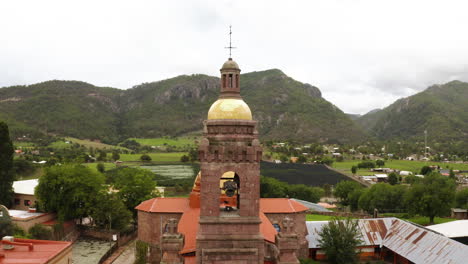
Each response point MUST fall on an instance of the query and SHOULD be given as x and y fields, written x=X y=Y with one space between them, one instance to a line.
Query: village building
x=30 y=251
x=224 y=220
x=24 y=198
x=395 y=241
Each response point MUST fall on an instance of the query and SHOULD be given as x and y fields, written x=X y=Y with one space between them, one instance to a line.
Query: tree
x=184 y=158
x=384 y=197
x=426 y=170
x=69 y=190
x=115 y=156
x=452 y=174
x=393 y=178
x=301 y=159
x=432 y=196
x=461 y=199
x=344 y=188
x=380 y=163
x=6 y=225
x=39 y=231
x=102 y=156
x=111 y=212
x=354 y=169
x=366 y=165
x=339 y=240
x=6 y=166
x=100 y=167
x=145 y=158
x=135 y=186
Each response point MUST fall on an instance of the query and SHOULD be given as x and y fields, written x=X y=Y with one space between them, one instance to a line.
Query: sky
x=362 y=55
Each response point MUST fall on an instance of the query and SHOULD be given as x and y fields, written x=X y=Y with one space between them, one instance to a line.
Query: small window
x=17 y=201
x=277 y=227
x=27 y=202
x=230 y=81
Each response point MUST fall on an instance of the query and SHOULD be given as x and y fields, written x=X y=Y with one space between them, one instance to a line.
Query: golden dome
x=230 y=109
x=229 y=65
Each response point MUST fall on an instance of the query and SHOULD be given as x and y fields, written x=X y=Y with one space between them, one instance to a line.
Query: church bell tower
x=230 y=154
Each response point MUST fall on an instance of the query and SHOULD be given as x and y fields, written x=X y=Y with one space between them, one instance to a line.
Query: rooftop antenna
x=230 y=42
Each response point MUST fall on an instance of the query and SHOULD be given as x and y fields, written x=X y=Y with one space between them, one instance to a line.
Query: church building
x=224 y=220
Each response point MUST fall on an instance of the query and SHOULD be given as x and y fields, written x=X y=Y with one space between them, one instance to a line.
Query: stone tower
x=230 y=154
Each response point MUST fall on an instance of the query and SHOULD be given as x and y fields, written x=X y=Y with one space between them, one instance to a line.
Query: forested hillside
x=442 y=110
x=285 y=109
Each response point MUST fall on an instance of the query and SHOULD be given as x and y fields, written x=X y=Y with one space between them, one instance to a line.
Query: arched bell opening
x=229 y=185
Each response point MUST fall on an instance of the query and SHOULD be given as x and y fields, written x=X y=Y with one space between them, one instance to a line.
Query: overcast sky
x=361 y=54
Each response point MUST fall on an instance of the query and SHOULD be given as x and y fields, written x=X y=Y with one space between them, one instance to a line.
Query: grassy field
x=176 y=142
x=317 y=217
x=93 y=166
x=421 y=220
x=59 y=144
x=155 y=157
x=407 y=165
x=23 y=144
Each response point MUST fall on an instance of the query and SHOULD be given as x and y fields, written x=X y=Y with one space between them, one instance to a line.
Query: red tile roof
x=42 y=251
x=164 y=205
x=267 y=229
x=280 y=205
x=188 y=225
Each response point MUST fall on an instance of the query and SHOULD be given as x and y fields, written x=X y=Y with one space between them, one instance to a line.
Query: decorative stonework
x=171 y=244
x=287 y=242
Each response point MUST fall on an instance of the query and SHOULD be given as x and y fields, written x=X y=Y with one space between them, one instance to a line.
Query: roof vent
x=9 y=239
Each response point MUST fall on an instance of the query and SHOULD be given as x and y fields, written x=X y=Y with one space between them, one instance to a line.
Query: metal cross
x=230 y=43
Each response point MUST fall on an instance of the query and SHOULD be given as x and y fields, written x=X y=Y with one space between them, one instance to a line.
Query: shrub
x=145 y=158
x=38 y=231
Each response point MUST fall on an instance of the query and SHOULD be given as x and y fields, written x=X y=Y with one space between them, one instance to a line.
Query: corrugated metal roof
x=421 y=245
x=457 y=228
x=312 y=206
x=25 y=187
x=413 y=242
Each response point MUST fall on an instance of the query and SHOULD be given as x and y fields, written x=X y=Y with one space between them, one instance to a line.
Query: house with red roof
x=30 y=251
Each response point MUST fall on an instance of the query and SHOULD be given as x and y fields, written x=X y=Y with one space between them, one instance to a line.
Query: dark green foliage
x=22 y=166
x=6 y=225
x=145 y=158
x=354 y=169
x=425 y=170
x=411 y=179
x=392 y=178
x=339 y=240
x=6 y=166
x=115 y=156
x=184 y=158
x=326 y=160
x=130 y=144
x=272 y=188
x=141 y=252
x=102 y=156
x=366 y=165
x=193 y=154
x=380 y=163
x=384 y=197
x=308 y=174
x=301 y=159
x=111 y=212
x=432 y=196
x=39 y=231
x=69 y=190
x=343 y=190
x=172 y=107
x=100 y=167
x=135 y=186
x=461 y=199
x=452 y=174
x=440 y=109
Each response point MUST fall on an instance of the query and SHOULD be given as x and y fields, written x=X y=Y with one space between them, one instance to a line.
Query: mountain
x=442 y=110
x=285 y=108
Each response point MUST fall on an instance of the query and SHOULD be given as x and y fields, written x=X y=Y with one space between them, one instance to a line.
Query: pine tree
x=6 y=166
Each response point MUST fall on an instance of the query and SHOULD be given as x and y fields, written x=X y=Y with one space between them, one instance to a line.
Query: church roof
x=164 y=205
x=281 y=205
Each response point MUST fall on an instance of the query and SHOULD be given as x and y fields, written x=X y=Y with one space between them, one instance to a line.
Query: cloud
x=361 y=54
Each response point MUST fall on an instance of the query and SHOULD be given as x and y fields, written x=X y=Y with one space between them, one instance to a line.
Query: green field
x=407 y=165
x=60 y=144
x=23 y=144
x=107 y=165
x=176 y=142
x=155 y=157
x=317 y=217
